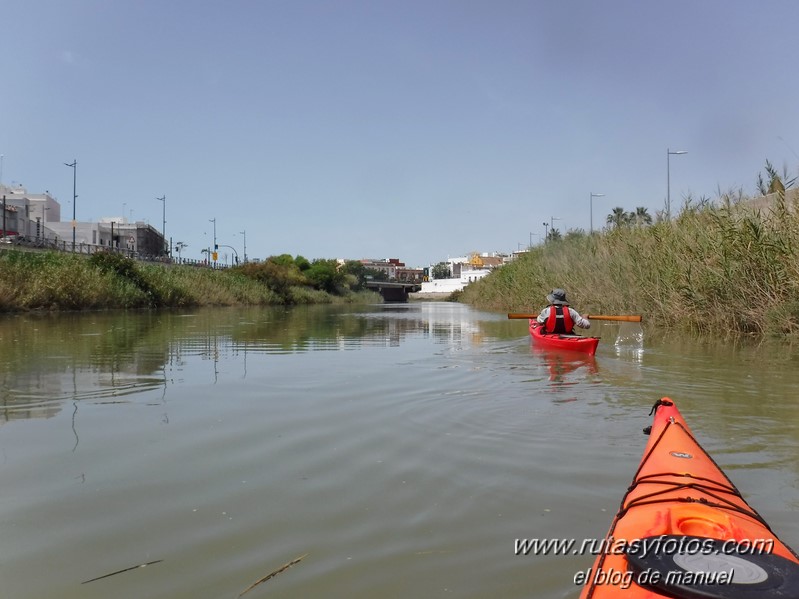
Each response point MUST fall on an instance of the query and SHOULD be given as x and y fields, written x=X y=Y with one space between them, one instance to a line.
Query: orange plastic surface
x=674 y=468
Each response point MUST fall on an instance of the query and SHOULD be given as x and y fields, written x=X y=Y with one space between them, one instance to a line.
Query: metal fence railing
x=87 y=249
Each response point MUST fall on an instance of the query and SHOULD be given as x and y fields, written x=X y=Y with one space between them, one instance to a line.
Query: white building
x=465 y=270
x=37 y=217
x=28 y=214
x=454 y=284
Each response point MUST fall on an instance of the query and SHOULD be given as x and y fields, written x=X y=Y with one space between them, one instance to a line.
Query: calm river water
x=402 y=449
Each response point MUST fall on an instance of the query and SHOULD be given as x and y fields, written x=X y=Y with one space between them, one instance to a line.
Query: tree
x=641 y=216
x=441 y=271
x=326 y=275
x=278 y=277
x=361 y=274
x=375 y=274
x=554 y=235
x=282 y=260
x=179 y=247
x=618 y=218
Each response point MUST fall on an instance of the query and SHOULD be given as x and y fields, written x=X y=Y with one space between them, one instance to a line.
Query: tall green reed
x=728 y=268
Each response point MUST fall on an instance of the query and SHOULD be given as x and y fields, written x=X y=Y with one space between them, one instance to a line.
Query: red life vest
x=559 y=321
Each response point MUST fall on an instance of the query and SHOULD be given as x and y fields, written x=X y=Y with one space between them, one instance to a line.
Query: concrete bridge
x=394 y=292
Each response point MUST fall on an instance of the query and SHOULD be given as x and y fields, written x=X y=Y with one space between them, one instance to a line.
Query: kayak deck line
x=710 y=488
x=687 y=531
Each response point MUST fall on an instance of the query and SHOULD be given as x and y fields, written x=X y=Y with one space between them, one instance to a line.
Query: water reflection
x=566 y=367
x=405 y=447
x=48 y=359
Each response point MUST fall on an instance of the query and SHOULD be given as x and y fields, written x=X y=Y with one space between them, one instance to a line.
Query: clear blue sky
x=409 y=129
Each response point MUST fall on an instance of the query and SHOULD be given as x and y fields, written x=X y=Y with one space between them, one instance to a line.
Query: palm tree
x=179 y=246
x=618 y=217
x=642 y=216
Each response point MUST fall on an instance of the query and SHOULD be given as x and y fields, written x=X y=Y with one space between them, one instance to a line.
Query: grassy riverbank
x=60 y=281
x=724 y=269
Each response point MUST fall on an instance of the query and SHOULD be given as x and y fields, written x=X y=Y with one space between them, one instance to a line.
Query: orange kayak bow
x=684 y=531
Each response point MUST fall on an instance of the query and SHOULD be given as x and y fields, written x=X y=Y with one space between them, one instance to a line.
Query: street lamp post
x=216 y=247
x=244 y=232
x=669 y=153
x=591 y=207
x=546 y=231
x=74 y=167
x=163 y=222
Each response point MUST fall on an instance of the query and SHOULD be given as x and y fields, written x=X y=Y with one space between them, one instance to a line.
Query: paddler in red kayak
x=558 y=317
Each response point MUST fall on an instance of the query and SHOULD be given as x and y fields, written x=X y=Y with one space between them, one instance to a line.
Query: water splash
x=630 y=342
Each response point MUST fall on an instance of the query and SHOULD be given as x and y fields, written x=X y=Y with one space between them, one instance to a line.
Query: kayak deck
x=683 y=530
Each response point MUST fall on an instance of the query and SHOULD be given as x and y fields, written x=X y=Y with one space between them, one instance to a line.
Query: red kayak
x=587 y=345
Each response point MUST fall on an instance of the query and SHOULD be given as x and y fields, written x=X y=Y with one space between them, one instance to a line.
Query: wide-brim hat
x=558 y=297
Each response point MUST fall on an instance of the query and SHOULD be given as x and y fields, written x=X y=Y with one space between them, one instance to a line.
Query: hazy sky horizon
x=386 y=129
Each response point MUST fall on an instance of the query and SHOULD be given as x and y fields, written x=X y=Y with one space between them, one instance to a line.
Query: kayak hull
x=683 y=530
x=586 y=345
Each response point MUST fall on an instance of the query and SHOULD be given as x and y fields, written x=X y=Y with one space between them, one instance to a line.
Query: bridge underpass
x=394 y=292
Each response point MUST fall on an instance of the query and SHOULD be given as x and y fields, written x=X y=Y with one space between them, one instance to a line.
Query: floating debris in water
x=282 y=568
x=122 y=571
